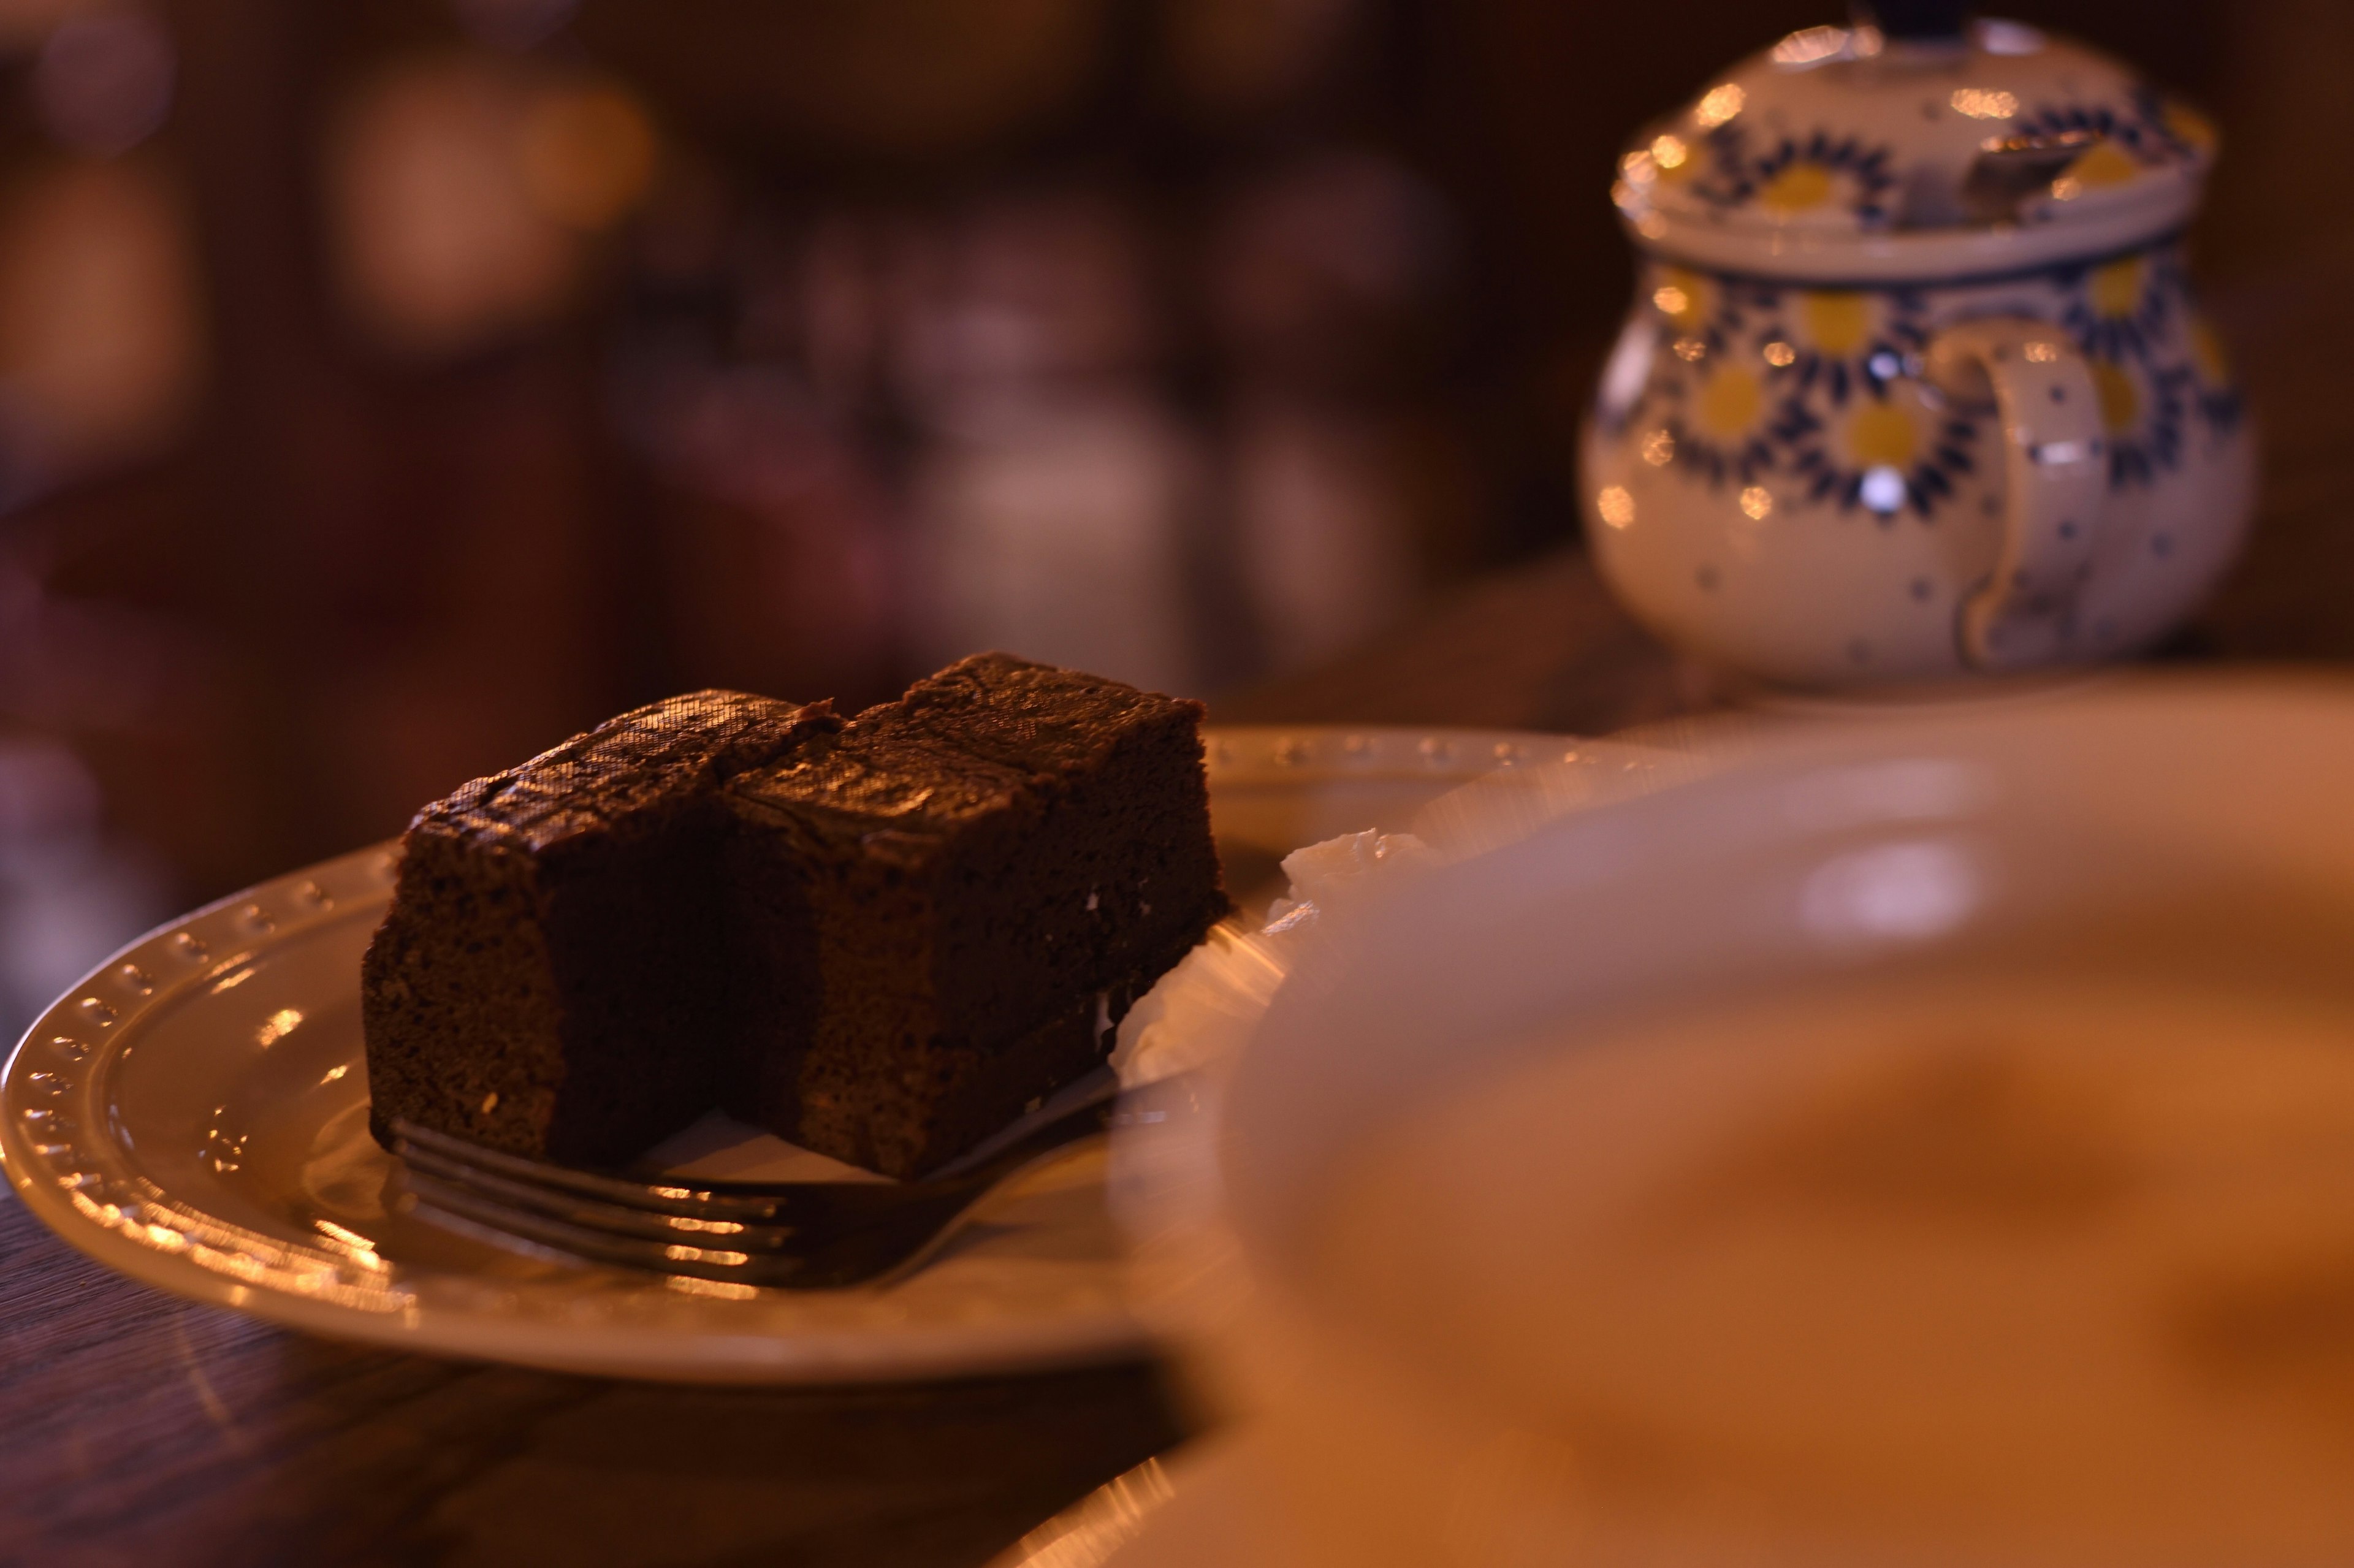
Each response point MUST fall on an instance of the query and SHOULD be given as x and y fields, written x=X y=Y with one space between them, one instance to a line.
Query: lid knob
x=1921 y=19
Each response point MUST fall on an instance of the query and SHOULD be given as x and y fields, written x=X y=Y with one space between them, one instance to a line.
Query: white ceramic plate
x=195 y=1115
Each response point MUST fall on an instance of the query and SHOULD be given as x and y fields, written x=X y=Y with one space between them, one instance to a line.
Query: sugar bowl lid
x=1916 y=143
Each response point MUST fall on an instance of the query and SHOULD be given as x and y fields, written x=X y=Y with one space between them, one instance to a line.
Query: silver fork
x=797 y=1236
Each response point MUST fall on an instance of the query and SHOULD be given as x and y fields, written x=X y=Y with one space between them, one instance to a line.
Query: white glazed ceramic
x=1855 y=850
x=194 y=1114
x=1914 y=385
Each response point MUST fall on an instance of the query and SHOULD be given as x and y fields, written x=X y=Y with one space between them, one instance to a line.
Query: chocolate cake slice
x=543 y=982
x=951 y=903
x=882 y=940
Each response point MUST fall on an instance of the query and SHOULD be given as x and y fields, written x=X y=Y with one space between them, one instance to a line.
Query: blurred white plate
x=194 y=1114
x=2179 y=839
x=1208 y=1502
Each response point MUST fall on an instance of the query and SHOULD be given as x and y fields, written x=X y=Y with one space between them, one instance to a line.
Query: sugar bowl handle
x=2055 y=470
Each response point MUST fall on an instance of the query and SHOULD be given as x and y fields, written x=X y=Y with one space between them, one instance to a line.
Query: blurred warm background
x=391 y=387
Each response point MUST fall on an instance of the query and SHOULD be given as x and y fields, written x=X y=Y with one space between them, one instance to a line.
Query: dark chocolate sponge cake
x=880 y=939
x=952 y=902
x=541 y=981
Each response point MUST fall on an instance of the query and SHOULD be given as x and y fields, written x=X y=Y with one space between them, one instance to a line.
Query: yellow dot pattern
x=2117 y=288
x=2120 y=398
x=1837 y=324
x=1801 y=187
x=1882 y=434
x=2104 y=164
x=1730 y=402
x=2193 y=128
x=2208 y=352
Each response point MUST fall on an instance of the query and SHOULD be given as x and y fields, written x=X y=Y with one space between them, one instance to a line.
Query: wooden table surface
x=136 y=1428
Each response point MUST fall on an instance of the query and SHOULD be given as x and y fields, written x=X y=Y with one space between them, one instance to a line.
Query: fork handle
x=1086 y=1120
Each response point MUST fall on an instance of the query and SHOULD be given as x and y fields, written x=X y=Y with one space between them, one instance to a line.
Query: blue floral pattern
x=2122 y=309
x=1818 y=394
x=1738 y=174
x=1940 y=458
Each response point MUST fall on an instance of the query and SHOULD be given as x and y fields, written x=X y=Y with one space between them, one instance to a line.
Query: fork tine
x=595 y=1246
x=858 y=1253
x=624 y=1219
x=750 y=1201
x=793 y=1234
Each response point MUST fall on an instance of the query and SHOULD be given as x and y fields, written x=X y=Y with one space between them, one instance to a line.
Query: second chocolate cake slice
x=946 y=907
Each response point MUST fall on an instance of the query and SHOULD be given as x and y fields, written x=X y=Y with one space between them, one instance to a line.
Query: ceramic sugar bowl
x=1914 y=386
